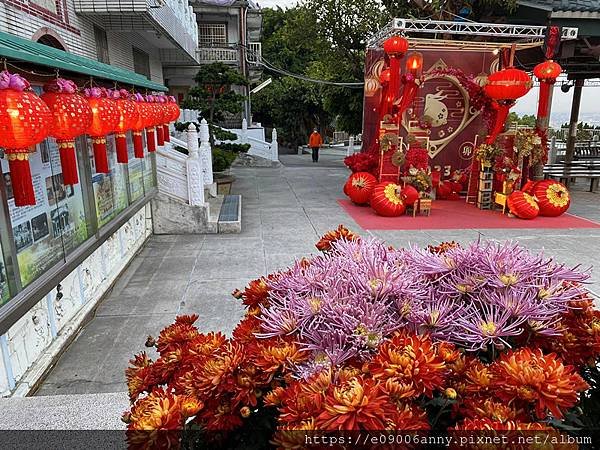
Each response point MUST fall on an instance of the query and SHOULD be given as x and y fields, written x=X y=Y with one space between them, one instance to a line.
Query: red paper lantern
x=163 y=118
x=386 y=200
x=128 y=115
x=151 y=119
x=523 y=205
x=346 y=184
x=505 y=86
x=360 y=187
x=140 y=124
x=553 y=198
x=395 y=46
x=409 y=195
x=546 y=72
x=414 y=64
x=385 y=76
x=508 y=84
x=173 y=113
x=105 y=118
x=71 y=117
x=24 y=122
x=443 y=191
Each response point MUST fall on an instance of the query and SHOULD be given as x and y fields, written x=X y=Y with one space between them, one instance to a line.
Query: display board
x=46 y=232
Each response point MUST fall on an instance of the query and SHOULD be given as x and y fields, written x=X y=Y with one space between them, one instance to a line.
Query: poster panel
x=55 y=225
x=110 y=190
x=136 y=172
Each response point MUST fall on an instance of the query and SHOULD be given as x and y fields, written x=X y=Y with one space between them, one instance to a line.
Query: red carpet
x=457 y=215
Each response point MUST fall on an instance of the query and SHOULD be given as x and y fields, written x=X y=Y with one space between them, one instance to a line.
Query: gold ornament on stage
x=398 y=158
x=387 y=141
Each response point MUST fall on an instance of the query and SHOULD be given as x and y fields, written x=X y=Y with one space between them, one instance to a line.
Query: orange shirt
x=315 y=140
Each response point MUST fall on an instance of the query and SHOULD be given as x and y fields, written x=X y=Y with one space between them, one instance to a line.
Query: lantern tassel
x=100 y=157
x=544 y=100
x=501 y=116
x=160 y=135
x=20 y=178
x=166 y=133
x=151 y=139
x=122 y=155
x=138 y=145
x=68 y=162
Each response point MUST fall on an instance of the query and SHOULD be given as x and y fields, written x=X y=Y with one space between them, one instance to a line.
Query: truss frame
x=521 y=33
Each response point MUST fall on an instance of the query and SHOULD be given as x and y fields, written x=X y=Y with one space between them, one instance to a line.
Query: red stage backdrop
x=455 y=124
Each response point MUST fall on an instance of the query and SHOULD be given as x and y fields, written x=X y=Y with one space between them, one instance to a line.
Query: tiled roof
x=568 y=5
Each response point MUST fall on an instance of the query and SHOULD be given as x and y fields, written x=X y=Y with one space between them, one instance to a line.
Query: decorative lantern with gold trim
x=71 y=117
x=105 y=118
x=24 y=122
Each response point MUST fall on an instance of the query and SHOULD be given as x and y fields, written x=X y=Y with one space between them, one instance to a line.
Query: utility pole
x=243 y=53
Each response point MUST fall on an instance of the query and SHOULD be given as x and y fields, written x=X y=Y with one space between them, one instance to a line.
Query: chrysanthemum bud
x=237 y=294
x=245 y=412
x=126 y=417
x=450 y=393
x=150 y=342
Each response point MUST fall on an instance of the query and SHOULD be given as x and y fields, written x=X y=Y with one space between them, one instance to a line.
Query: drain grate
x=230 y=209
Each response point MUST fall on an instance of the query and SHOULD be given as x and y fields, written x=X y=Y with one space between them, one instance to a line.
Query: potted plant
x=487 y=154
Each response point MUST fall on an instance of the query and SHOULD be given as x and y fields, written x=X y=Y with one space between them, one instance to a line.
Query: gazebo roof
x=564 y=5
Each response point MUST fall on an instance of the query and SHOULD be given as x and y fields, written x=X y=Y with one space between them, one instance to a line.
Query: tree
x=528 y=120
x=213 y=95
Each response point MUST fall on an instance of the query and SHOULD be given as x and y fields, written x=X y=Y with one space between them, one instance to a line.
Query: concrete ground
x=285 y=211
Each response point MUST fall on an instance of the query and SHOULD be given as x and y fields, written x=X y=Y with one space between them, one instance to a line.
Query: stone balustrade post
x=274 y=146
x=244 y=136
x=195 y=177
x=206 y=153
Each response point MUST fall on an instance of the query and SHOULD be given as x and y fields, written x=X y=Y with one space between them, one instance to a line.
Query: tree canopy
x=326 y=40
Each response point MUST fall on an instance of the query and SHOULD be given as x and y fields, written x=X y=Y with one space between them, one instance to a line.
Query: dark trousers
x=315 y=154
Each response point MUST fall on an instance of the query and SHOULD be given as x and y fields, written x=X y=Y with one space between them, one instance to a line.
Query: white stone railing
x=217 y=54
x=258 y=147
x=184 y=177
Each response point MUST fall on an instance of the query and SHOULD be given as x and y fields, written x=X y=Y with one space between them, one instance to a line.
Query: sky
x=275 y=3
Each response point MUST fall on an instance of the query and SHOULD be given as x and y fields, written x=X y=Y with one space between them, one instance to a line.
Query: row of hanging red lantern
x=26 y=119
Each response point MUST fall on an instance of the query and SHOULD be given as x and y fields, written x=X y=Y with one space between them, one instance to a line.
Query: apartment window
x=50 y=5
x=212 y=34
x=101 y=44
x=141 y=62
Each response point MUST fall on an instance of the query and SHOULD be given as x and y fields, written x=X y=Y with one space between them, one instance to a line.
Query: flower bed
x=367 y=337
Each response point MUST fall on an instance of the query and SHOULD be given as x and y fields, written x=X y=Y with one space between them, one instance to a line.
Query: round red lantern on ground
x=553 y=198
x=71 y=117
x=360 y=187
x=523 y=205
x=386 y=200
x=105 y=118
x=529 y=187
x=409 y=195
x=24 y=122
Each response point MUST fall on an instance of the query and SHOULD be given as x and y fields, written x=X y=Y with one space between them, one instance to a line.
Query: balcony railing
x=171 y=18
x=217 y=54
x=254 y=52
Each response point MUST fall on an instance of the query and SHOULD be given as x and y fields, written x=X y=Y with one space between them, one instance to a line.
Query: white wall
x=34 y=341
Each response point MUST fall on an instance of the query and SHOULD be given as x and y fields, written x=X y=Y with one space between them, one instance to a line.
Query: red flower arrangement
x=266 y=386
x=361 y=162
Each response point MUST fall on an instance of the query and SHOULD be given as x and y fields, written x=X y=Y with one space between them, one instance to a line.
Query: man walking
x=314 y=142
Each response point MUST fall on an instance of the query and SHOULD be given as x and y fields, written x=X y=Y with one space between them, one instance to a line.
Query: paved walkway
x=285 y=211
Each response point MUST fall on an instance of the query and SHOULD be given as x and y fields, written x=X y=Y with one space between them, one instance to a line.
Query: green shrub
x=183 y=126
x=222 y=159
x=235 y=148
x=221 y=134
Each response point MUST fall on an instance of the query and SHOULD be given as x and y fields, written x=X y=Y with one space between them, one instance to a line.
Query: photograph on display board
x=23 y=236
x=39 y=226
x=4 y=293
x=8 y=183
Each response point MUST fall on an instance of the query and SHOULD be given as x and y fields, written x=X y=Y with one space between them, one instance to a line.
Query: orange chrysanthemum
x=256 y=293
x=478 y=377
x=178 y=334
x=284 y=355
x=529 y=375
x=408 y=417
x=293 y=437
x=411 y=360
x=479 y=408
x=217 y=373
x=355 y=405
x=158 y=411
x=325 y=244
